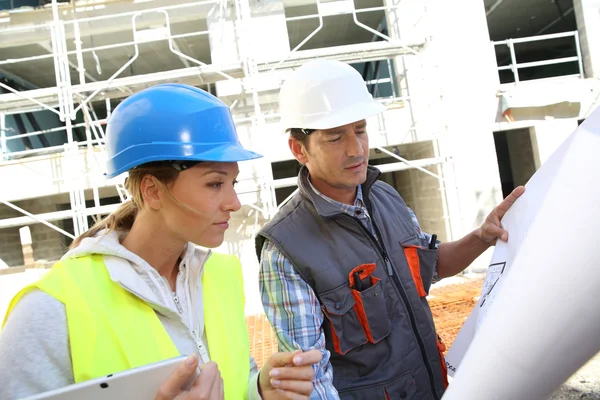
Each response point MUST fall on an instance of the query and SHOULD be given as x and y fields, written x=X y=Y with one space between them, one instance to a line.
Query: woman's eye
x=335 y=140
x=219 y=185
x=235 y=182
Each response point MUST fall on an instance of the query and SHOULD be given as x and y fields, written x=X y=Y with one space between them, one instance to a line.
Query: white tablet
x=139 y=383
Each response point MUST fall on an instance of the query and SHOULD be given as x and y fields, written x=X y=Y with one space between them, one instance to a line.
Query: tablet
x=140 y=383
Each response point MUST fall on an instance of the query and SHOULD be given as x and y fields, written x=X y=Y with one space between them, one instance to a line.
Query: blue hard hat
x=171 y=122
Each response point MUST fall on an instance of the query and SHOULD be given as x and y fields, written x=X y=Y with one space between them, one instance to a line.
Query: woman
x=135 y=289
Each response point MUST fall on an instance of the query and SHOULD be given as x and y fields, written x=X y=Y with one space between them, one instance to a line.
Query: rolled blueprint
x=543 y=322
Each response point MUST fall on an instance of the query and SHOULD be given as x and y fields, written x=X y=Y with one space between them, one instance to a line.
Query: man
x=345 y=268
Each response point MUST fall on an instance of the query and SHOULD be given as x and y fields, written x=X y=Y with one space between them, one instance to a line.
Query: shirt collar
x=358 y=201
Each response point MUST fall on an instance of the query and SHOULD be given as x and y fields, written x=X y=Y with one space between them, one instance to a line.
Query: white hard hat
x=324 y=94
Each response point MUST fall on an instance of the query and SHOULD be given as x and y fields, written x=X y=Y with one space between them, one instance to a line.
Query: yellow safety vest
x=111 y=329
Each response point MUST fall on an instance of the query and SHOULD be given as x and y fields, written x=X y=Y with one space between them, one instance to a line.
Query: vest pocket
x=346 y=332
x=371 y=310
x=401 y=387
x=422 y=263
x=356 y=318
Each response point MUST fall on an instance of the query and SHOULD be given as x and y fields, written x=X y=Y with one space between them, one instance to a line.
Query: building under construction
x=478 y=95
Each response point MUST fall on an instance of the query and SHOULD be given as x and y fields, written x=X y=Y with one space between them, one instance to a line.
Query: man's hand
x=288 y=375
x=491 y=229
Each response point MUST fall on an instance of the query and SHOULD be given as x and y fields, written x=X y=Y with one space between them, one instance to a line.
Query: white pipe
x=409 y=163
x=19 y=209
x=54 y=216
x=57 y=129
x=381 y=35
x=147 y=10
x=389 y=167
x=544 y=322
x=48 y=150
x=3 y=148
x=174 y=50
x=493 y=7
x=547 y=62
x=579 y=56
x=110 y=16
x=80 y=65
x=68 y=87
x=303 y=42
x=173 y=7
x=360 y=11
x=513 y=60
x=74 y=213
x=131 y=60
x=557 y=20
x=98 y=48
x=536 y=38
x=69 y=130
x=26 y=97
x=81 y=211
x=288 y=198
x=55 y=38
x=96 y=194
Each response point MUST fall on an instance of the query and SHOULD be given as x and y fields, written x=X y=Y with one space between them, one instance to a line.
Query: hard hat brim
x=226 y=152
x=328 y=120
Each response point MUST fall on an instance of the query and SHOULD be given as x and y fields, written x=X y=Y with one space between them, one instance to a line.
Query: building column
x=587 y=14
x=453 y=91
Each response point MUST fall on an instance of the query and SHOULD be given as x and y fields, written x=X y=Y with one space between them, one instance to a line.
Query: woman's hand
x=288 y=375
x=207 y=386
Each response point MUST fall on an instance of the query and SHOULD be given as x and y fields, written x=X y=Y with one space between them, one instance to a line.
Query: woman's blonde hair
x=122 y=218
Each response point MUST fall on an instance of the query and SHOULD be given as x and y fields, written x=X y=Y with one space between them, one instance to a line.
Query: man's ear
x=298 y=150
x=151 y=192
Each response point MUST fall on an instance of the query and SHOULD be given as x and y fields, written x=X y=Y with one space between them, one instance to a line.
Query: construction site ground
x=451 y=303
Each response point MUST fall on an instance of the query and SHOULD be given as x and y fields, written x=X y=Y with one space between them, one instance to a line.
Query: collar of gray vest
x=325 y=208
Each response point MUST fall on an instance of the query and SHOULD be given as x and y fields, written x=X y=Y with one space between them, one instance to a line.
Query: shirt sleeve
x=35 y=356
x=295 y=315
x=253 y=384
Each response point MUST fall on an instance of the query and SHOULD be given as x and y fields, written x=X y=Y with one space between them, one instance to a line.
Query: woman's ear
x=150 y=190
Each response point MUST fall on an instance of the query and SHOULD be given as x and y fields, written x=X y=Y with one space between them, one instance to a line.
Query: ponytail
x=121 y=219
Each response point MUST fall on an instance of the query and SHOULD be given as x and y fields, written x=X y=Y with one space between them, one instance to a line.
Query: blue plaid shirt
x=292 y=306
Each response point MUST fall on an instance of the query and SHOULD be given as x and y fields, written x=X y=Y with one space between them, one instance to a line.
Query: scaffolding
x=70 y=100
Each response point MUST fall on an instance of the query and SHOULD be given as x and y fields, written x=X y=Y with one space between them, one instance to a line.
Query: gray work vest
x=380 y=332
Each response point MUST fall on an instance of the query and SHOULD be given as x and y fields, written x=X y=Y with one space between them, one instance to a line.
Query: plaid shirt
x=292 y=306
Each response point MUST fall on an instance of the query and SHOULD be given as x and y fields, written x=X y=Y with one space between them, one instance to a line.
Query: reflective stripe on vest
x=111 y=329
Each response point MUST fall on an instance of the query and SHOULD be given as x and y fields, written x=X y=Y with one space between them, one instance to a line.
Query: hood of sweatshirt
x=138 y=277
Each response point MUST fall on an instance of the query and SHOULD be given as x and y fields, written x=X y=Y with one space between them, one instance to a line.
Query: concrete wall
x=468 y=90
x=48 y=244
x=421 y=192
x=587 y=14
x=454 y=101
x=523 y=160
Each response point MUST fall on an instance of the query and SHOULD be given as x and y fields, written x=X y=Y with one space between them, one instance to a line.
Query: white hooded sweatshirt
x=34 y=344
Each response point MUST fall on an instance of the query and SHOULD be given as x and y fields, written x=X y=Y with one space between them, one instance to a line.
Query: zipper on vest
x=389 y=266
x=394 y=277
